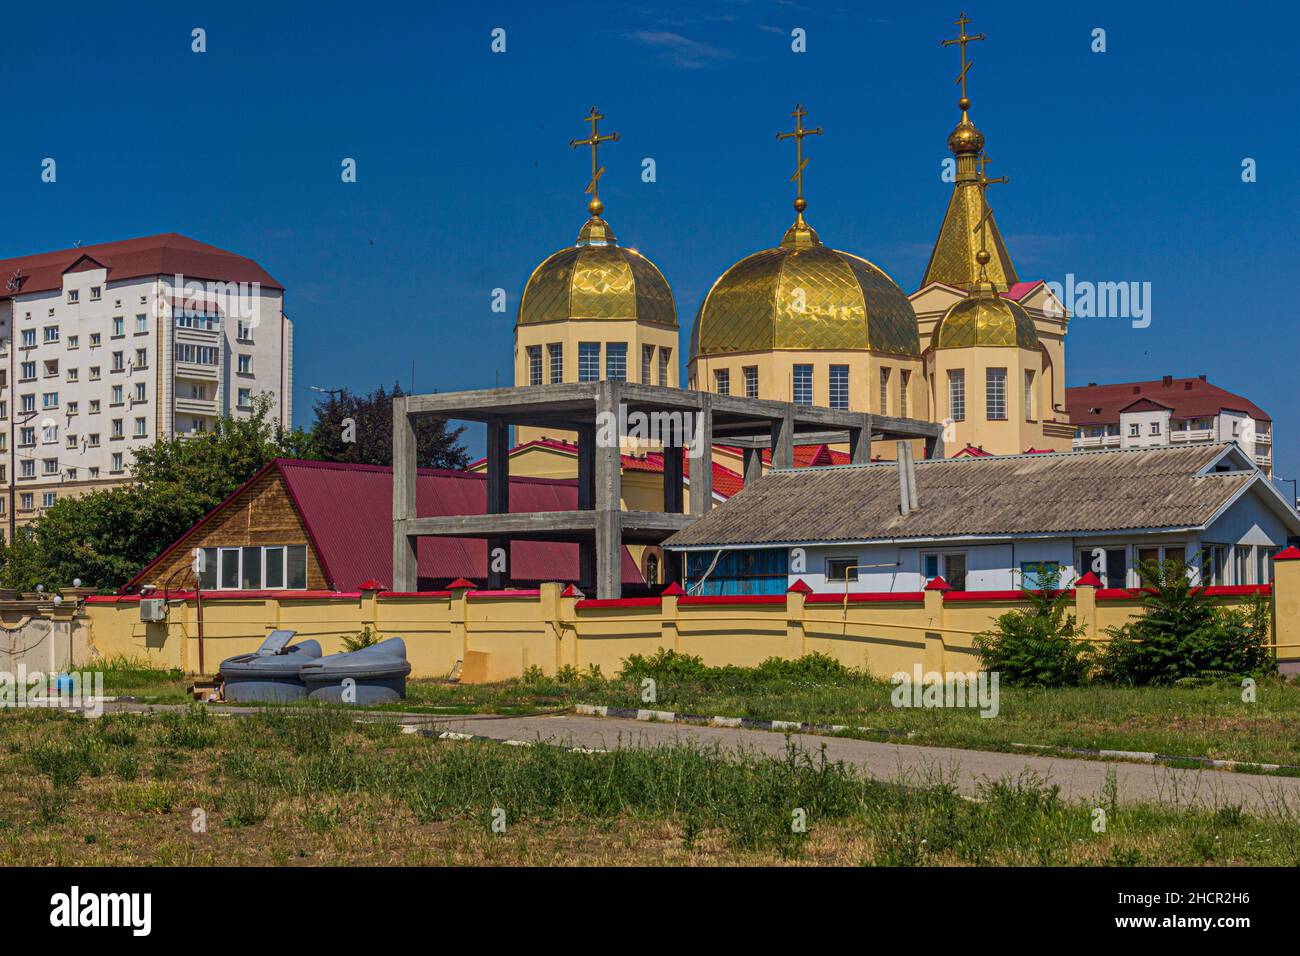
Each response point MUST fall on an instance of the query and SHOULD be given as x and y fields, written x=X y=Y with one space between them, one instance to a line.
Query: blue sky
x=1125 y=166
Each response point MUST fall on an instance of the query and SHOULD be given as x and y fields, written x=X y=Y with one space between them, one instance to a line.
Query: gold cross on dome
x=797 y=134
x=594 y=141
x=963 y=39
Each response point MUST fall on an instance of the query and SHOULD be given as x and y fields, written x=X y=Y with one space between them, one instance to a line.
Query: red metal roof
x=167 y=254
x=1185 y=397
x=347 y=511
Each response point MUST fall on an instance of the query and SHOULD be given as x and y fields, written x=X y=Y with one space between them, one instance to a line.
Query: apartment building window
x=904 y=380
x=29 y=402
x=841 y=570
x=92 y=440
x=95 y=339
x=94 y=406
x=27 y=469
x=27 y=436
x=51 y=368
x=1029 y=395
x=1134 y=430
x=884 y=391
x=48 y=499
x=722 y=381
x=50 y=466
x=119 y=362
x=118 y=431
x=839 y=386
x=26 y=501
x=140 y=392
x=957 y=395
x=142 y=324
x=751 y=381
x=555 y=352
x=74 y=296
x=195 y=354
x=70 y=474
x=142 y=359
x=1155 y=428
x=141 y=428
x=73 y=341
x=244 y=398
x=119 y=326
x=93 y=472
x=243 y=331
x=73 y=374
x=73 y=408
x=51 y=333
x=117 y=395
x=246 y=364
x=27 y=372
x=616 y=361
x=29 y=338
x=588 y=361
x=534 y=353
x=4 y=410
x=995 y=394
x=49 y=434
x=95 y=293
x=802 y=390
x=665 y=355
x=647 y=364
x=70 y=441
x=116 y=466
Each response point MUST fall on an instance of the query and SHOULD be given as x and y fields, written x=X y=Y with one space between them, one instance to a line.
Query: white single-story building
x=990 y=523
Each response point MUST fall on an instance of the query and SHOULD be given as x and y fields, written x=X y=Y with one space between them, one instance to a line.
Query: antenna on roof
x=77 y=244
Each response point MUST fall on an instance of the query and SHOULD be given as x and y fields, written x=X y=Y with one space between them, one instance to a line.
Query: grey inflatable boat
x=372 y=675
x=271 y=672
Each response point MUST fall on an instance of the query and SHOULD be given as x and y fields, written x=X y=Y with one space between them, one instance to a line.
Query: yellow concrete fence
x=496 y=635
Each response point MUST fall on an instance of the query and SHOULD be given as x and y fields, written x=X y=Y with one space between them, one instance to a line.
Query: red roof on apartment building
x=1184 y=397
x=167 y=254
x=347 y=511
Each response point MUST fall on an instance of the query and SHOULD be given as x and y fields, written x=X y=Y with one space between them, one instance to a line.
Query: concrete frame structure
x=600 y=526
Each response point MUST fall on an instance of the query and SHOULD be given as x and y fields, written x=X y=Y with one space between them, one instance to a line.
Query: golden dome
x=804 y=295
x=965 y=138
x=985 y=319
x=597 y=279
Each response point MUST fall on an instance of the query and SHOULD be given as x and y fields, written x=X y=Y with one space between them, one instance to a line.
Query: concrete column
x=702 y=467
x=405 y=559
x=498 y=500
x=860 y=442
x=673 y=485
x=587 y=502
x=753 y=465
x=609 y=493
x=783 y=441
x=934 y=446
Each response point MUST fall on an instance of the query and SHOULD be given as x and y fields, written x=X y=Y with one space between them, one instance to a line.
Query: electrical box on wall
x=153 y=610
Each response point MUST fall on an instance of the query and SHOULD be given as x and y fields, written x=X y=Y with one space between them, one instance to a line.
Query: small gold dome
x=985 y=319
x=597 y=279
x=965 y=138
x=804 y=295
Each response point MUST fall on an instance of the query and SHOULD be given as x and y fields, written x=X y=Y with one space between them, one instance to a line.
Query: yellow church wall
x=1009 y=436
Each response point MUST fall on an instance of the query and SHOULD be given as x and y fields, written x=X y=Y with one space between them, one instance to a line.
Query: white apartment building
x=106 y=348
x=1168 y=411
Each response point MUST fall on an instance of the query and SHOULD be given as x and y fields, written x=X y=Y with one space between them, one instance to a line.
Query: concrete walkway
x=1081 y=780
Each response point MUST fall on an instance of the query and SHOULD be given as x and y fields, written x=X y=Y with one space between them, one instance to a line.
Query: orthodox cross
x=797 y=134
x=594 y=141
x=983 y=182
x=963 y=39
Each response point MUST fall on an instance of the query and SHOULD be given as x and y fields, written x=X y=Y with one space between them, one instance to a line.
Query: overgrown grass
x=314 y=786
x=135 y=677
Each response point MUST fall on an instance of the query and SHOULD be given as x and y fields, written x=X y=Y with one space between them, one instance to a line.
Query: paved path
x=909 y=763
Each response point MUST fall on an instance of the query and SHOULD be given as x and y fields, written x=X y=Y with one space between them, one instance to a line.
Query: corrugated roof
x=348 y=512
x=167 y=254
x=1185 y=397
x=994 y=495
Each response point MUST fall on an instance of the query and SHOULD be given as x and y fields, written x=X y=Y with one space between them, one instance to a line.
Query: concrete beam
x=405 y=556
x=702 y=467
x=783 y=441
x=753 y=465
x=860 y=442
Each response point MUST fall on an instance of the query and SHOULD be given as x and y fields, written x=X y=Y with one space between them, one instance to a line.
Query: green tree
x=359 y=429
x=105 y=537
x=1039 y=645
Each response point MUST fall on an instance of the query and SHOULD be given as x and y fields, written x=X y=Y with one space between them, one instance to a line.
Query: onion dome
x=804 y=295
x=985 y=319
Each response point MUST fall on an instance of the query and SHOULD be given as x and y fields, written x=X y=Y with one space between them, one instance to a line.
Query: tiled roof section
x=995 y=495
x=168 y=254
x=1186 y=397
x=1021 y=289
x=348 y=512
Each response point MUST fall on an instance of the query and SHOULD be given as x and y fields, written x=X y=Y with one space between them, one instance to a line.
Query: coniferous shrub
x=1039 y=645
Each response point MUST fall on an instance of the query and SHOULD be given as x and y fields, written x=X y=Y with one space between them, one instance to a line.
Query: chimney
x=1137 y=389
x=1187 y=386
x=1167 y=381
x=907 y=499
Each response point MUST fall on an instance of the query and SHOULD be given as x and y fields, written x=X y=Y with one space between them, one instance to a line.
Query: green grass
x=313 y=785
x=133 y=677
